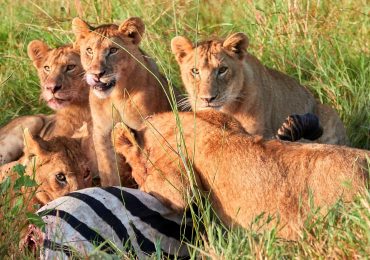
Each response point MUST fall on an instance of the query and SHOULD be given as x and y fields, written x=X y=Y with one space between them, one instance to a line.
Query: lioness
x=64 y=90
x=126 y=84
x=222 y=75
x=58 y=166
x=245 y=175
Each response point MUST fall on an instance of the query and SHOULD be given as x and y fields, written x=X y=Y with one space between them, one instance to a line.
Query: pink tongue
x=90 y=79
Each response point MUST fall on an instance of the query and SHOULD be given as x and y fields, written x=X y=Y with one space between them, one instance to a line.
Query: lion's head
x=58 y=165
x=60 y=72
x=156 y=159
x=212 y=71
x=108 y=52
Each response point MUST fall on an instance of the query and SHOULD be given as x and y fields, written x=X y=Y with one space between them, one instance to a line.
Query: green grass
x=323 y=44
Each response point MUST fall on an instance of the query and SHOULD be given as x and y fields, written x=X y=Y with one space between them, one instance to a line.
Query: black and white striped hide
x=111 y=218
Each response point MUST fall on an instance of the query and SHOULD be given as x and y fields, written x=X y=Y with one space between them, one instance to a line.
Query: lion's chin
x=102 y=94
x=103 y=90
x=204 y=108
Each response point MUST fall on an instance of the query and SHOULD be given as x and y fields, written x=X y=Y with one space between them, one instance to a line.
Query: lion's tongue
x=91 y=79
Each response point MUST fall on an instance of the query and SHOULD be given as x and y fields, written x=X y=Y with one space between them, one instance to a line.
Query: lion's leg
x=106 y=157
x=11 y=136
x=334 y=131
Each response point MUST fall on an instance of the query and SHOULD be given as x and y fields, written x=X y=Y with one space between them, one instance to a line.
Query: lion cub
x=244 y=174
x=222 y=75
x=64 y=90
x=58 y=166
x=125 y=84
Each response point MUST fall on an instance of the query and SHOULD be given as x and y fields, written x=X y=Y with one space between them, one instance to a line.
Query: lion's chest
x=106 y=113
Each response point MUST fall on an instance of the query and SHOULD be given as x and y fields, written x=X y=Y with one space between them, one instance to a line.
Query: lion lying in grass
x=222 y=75
x=245 y=175
x=58 y=166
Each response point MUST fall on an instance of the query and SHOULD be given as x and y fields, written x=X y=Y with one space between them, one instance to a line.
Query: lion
x=222 y=75
x=244 y=174
x=58 y=166
x=64 y=90
x=125 y=84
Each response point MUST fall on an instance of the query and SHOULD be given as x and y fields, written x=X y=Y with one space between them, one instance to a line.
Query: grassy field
x=323 y=44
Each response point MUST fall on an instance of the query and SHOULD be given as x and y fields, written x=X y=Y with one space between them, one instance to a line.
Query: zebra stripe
x=80 y=227
x=104 y=213
x=66 y=250
x=133 y=200
x=110 y=218
x=154 y=219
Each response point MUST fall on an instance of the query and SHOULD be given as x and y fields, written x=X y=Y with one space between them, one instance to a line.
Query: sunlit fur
x=71 y=101
x=126 y=89
x=59 y=67
x=245 y=175
x=259 y=97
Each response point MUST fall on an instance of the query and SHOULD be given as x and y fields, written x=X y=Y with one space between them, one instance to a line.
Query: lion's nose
x=98 y=75
x=208 y=99
x=54 y=88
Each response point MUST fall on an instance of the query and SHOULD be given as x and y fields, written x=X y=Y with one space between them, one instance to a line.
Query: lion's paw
x=296 y=127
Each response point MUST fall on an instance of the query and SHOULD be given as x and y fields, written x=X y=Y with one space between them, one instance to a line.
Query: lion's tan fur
x=259 y=97
x=44 y=159
x=70 y=113
x=136 y=93
x=74 y=91
x=245 y=175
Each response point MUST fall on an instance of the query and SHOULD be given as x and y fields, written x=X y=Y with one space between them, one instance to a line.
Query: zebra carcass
x=111 y=220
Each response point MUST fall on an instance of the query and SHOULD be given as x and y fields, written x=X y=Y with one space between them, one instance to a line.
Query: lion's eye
x=194 y=71
x=222 y=70
x=30 y=156
x=61 y=178
x=113 y=50
x=89 y=51
x=47 y=68
x=71 y=67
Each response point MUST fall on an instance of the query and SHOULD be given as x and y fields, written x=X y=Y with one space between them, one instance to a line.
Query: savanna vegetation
x=323 y=44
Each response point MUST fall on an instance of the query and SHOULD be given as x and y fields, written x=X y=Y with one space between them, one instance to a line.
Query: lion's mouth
x=57 y=103
x=100 y=86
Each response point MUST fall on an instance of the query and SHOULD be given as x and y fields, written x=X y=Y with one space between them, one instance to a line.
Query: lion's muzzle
x=99 y=83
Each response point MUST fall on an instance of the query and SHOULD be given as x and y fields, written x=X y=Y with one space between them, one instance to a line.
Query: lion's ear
x=181 y=46
x=123 y=136
x=236 y=43
x=32 y=145
x=134 y=28
x=37 y=50
x=80 y=28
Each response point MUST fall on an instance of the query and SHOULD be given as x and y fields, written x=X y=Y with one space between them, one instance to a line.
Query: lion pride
x=222 y=75
x=244 y=174
x=125 y=85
